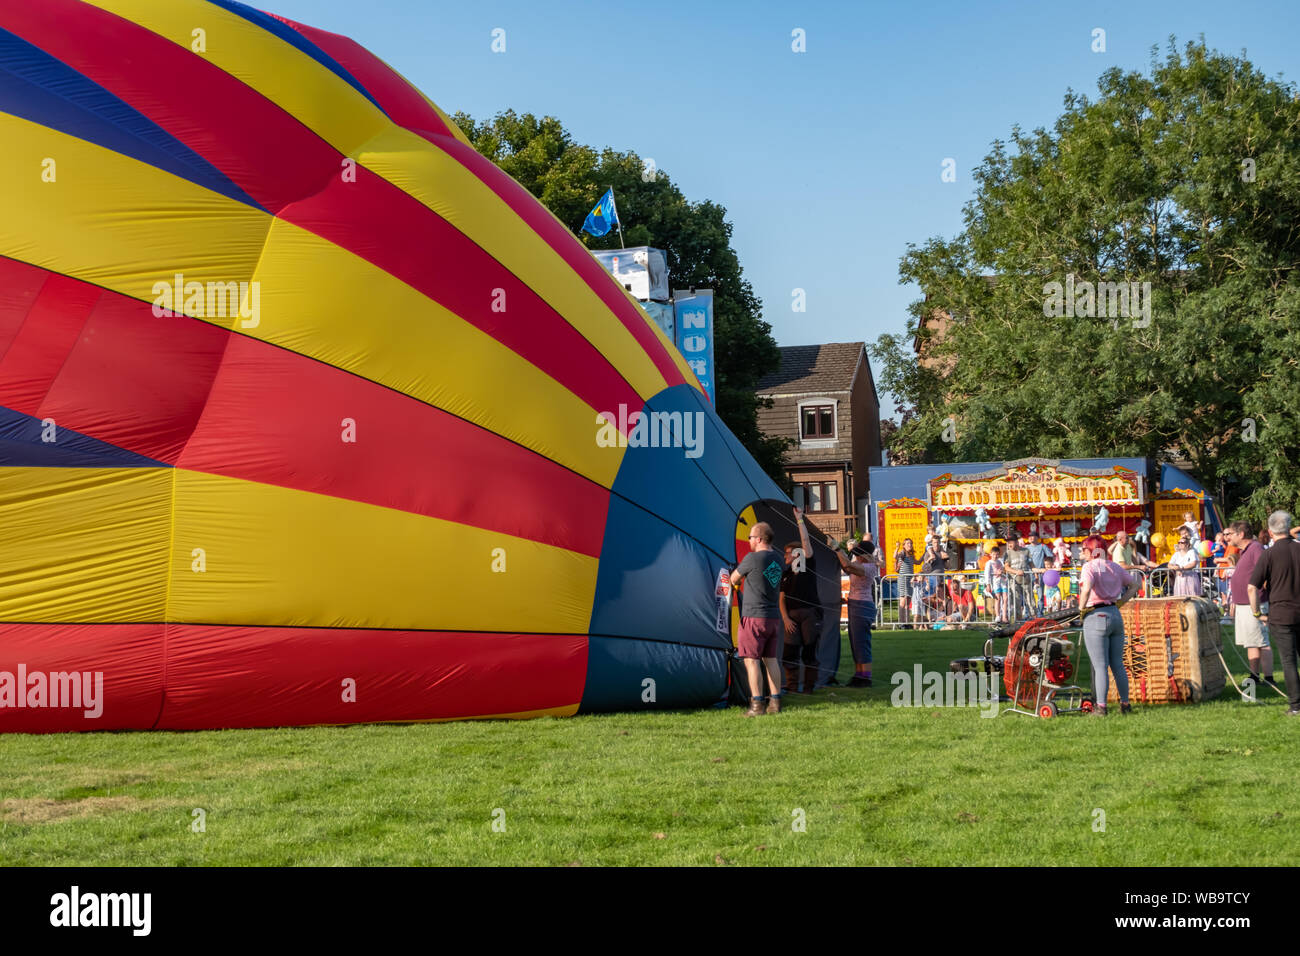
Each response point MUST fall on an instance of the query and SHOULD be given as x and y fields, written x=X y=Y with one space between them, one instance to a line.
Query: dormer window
x=816 y=421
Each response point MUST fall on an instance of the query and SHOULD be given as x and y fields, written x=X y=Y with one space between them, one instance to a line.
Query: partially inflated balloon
x=313 y=415
x=1157 y=541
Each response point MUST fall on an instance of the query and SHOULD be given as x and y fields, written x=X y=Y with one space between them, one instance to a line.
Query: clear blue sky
x=827 y=161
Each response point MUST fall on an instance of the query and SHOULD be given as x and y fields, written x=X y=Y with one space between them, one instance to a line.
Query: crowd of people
x=1029 y=576
x=1013 y=580
x=782 y=613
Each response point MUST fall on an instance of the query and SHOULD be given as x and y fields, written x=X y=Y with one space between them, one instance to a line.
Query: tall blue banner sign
x=695 y=335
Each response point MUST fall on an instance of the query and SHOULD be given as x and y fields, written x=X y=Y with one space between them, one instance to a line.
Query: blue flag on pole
x=603 y=218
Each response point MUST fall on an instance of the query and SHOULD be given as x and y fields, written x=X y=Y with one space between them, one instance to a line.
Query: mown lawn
x=873 y=784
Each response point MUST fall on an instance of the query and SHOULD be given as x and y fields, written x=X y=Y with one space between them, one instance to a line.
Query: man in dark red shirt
x=1279 y=570
x=1250 y=631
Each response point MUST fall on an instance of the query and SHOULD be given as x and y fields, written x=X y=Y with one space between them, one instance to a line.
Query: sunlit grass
x=872 y=784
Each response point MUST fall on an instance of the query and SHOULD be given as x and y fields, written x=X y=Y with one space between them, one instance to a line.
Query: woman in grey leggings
x=1103 y=586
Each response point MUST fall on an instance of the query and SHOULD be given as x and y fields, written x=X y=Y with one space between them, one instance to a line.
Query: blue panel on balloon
x=757 y=484
x=26 y=442
x=37 y=87
x=694 y=483
x=625 y=674
x=655 y=582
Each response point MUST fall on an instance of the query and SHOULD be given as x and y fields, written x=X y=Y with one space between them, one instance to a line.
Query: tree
x=1187 y=179
x=569 y=178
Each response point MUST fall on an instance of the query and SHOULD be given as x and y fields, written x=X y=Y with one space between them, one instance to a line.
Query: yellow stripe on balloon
x=83 y=544
x=439 y=182
x=315 y=298
x=278 y=556
x=744 y=523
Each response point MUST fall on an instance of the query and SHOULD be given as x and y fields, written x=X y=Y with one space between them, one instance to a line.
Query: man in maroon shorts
x=759 y=641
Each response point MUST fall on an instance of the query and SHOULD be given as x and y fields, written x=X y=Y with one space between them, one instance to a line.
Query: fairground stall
x=983 y=501
x=972 y=506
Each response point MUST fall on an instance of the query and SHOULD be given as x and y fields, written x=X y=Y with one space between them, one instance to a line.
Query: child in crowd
x=1219 y=558
x=1192 y=528
x=919 y=610
x=1069 y=594
x=996 y=571
x=959 y=596
x=1051 y=585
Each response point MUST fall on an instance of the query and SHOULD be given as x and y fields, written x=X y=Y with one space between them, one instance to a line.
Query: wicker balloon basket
x=1172 y=650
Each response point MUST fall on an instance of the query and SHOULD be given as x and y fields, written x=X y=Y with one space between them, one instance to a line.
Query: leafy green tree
x=1188 y=179
x=569 y=179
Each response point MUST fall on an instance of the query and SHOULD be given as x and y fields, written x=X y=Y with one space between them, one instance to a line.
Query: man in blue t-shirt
x=759 y=641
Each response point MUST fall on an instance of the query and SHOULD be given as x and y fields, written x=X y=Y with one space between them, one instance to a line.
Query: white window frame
x=834 y=403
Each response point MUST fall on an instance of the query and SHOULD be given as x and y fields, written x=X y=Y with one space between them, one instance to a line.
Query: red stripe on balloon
x=135 y=380
x=267 y=677
x=20 y=284
x=278 y=418
x=42 y=343
x=127 y=657
x=124 y=376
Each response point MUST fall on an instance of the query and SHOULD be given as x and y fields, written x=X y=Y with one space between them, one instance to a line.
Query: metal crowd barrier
x=929 y=598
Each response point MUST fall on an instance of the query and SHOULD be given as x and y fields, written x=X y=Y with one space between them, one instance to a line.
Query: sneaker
x=774 y=705
x=859 y=680
x=1125 y=708
x=1098 y=712
x=755 y=707
x=1293 y=712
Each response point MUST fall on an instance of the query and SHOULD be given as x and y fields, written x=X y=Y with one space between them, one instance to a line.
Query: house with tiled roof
x=824 y=399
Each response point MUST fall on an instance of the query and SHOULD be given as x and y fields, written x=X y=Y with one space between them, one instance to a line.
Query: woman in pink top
x=863 y=572
x=1103 y=586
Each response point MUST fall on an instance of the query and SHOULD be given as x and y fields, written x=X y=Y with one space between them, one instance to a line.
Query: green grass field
x=873 y=784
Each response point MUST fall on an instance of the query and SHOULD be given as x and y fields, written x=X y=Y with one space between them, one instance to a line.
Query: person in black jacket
x=801 y=611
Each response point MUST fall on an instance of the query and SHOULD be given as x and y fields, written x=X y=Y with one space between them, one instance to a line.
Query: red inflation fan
x=1037 y=668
